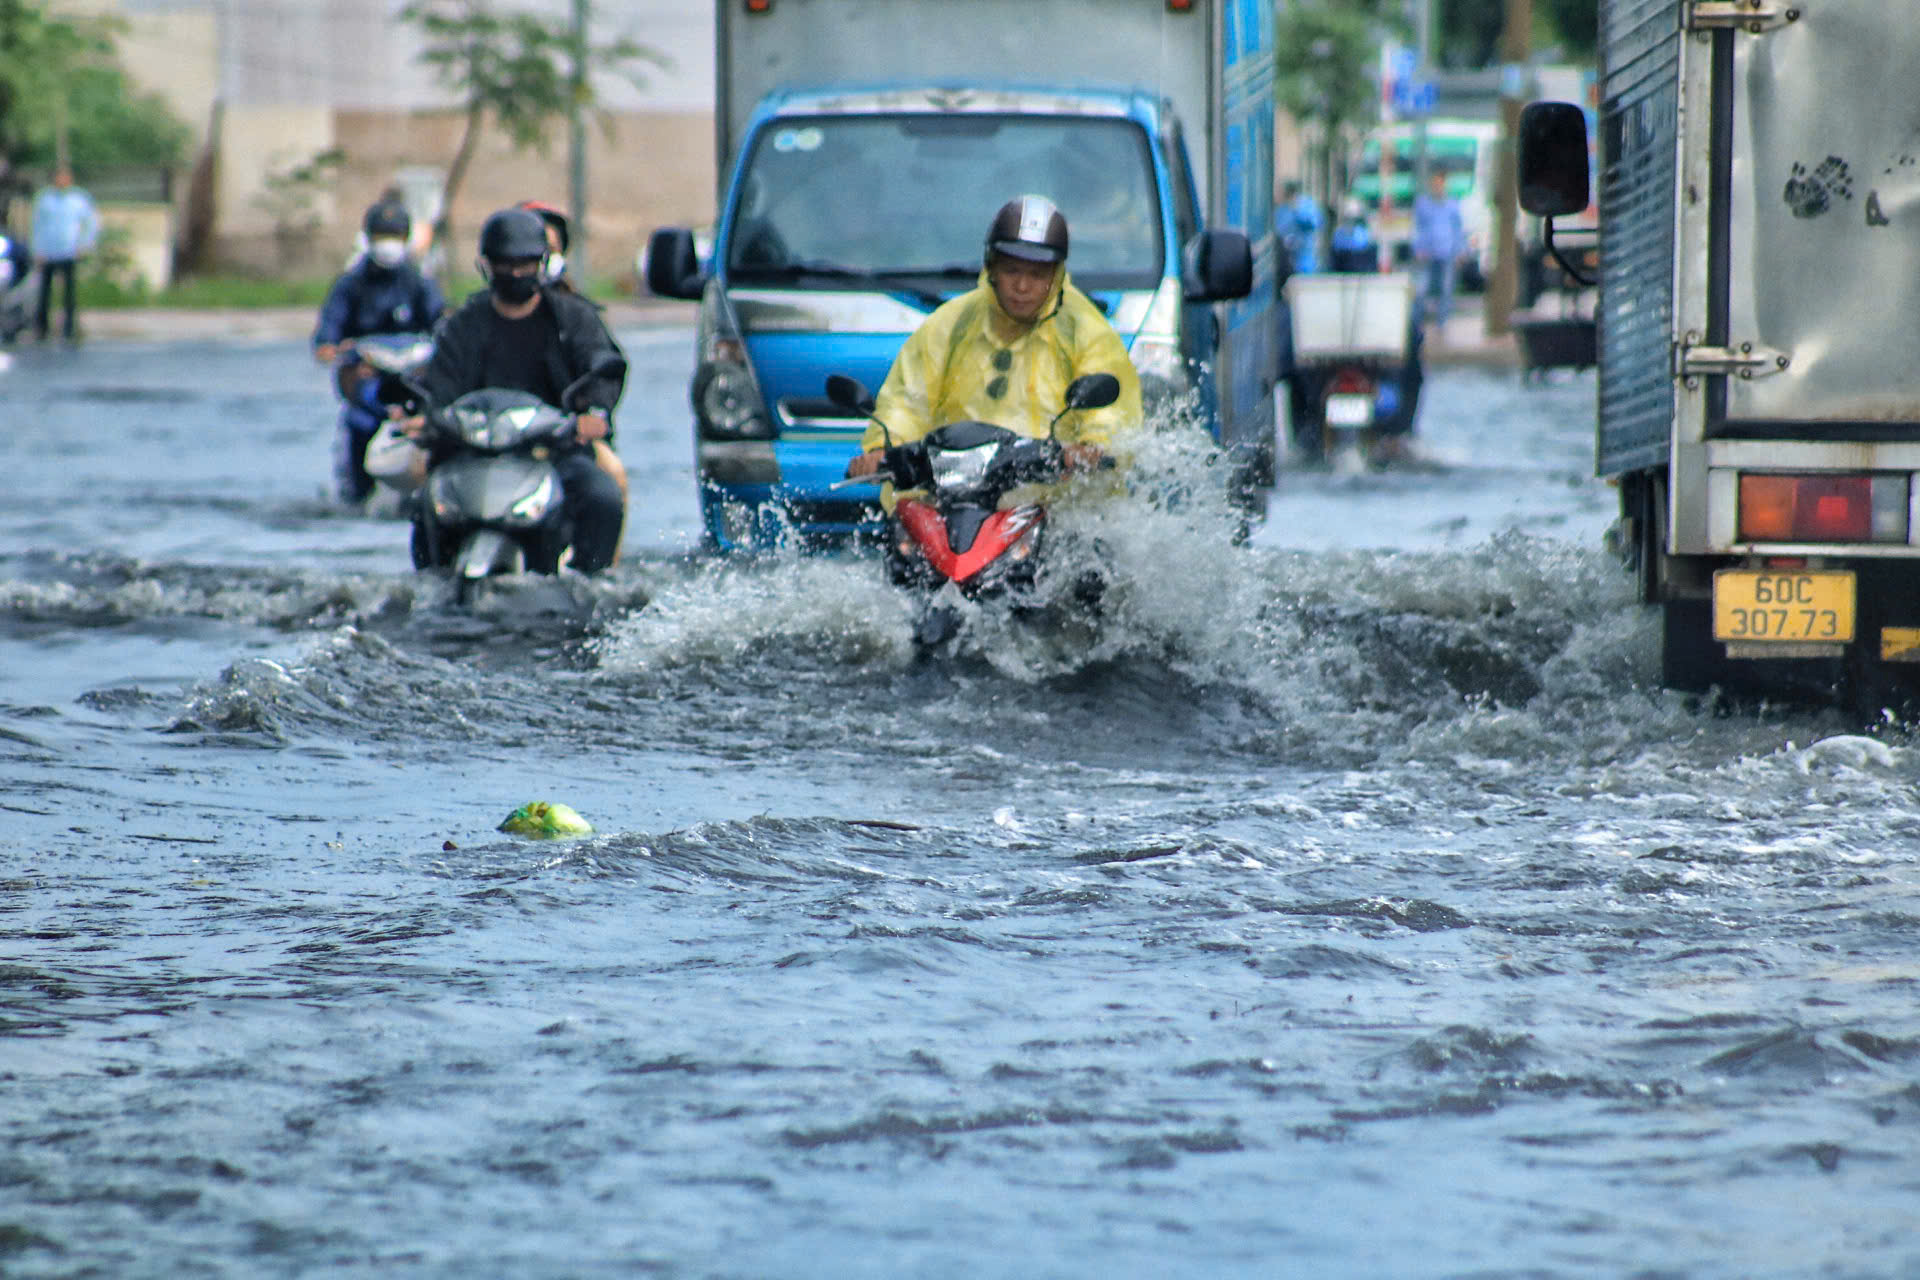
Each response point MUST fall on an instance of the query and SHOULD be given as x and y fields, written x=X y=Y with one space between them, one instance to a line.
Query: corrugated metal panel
x=1639 y=120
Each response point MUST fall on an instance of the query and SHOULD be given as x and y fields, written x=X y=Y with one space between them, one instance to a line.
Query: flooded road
x=1353 y=904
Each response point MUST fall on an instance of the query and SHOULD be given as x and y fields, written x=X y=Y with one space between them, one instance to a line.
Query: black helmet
x=513 y=235
x=386 y=219
x=1029 y=227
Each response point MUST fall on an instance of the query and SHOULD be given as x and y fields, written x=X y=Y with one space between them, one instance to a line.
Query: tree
x=63 y=100
x=1576 y=27
x=517 y=70
x=1325 y=59
x=1468 y=33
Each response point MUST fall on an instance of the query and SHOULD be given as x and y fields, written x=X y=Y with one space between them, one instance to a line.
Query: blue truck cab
x=851 y=210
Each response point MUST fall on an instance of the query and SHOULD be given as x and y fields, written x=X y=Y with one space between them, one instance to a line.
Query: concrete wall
x=282 y=82
x=149 y=232
x=255 y=143
x=656 y=169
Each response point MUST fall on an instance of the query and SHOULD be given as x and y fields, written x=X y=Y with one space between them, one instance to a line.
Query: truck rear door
x=1811 y=253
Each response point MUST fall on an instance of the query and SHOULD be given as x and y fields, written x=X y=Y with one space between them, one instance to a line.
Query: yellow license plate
x=1789 y=605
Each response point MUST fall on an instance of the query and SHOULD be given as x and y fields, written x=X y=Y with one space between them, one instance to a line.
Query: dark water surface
x=1352 y=905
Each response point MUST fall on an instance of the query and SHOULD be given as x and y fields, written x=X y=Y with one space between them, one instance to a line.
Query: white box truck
x=1759 y=225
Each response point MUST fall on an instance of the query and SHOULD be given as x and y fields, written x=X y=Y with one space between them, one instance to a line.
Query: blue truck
x=863 y=147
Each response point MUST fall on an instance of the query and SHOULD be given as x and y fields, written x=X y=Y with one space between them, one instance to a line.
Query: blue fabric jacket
x=367 y=299
x=1438 y=233
x=64 y=224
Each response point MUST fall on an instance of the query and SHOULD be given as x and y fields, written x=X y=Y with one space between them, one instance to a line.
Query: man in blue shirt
x=382 y=292
x=65 y=226
x=1439 y=243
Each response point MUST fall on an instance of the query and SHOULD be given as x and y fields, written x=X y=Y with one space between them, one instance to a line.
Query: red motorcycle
x=951 y=537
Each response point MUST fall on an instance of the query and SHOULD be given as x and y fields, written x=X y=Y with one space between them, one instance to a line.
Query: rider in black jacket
x=525 y=336
x=382 y=292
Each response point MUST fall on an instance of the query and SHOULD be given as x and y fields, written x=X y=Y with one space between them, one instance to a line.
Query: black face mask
x=512 y=290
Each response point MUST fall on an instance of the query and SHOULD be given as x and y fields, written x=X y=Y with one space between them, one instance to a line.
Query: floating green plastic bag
x=544 y=819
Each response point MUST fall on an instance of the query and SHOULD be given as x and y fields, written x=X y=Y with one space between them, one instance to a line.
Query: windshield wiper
x=882 y=278
x=804 y=267
x=952 y=271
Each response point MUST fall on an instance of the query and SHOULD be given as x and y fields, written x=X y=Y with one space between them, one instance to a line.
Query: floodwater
x=1351 y=903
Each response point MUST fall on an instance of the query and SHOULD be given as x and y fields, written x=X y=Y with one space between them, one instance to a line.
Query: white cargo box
x=1350 y=315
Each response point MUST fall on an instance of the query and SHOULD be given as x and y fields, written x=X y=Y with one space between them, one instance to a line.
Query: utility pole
x=577 y=145
x=1423 y=45
x=1515 y=48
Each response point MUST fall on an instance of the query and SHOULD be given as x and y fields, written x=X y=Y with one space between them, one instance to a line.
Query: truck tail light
x=1823 y=508
x=759 y=6
x=1179 y=6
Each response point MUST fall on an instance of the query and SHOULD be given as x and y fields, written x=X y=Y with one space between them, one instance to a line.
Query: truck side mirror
x=1217 y=265
x=673 y=264
x=1553 y=159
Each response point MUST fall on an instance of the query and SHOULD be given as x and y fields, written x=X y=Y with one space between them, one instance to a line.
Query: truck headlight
x=727 y=403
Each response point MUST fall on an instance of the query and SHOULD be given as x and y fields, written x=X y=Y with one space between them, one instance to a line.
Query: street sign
x=1415 y=97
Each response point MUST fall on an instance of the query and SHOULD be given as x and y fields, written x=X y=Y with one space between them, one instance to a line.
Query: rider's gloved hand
x=865 y=464
x=589 y=427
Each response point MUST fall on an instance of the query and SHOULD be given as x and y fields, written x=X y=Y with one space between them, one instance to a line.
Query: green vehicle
x=1466 y=151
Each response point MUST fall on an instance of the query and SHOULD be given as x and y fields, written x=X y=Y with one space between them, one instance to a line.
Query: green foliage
x=517 y=70
x=1575 y=27
x=291 y=196
x=57 y=74
x=112 y=257
x=206 y=291
x=1467 y=32
x=1325 y=58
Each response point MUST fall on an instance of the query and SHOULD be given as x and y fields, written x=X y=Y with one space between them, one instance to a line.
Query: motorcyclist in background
x=522 y=334
x=382 y=292
x=559 y=240
x=1353 y=247
x=1004 y=351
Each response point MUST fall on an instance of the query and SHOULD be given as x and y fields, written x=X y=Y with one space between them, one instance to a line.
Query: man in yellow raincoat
x=1004 y=351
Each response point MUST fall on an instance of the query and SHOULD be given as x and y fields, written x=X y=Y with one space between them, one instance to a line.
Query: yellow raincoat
x=946 y=370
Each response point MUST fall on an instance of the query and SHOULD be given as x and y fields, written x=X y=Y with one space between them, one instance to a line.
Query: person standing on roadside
x=65 y=226
x=1439 y=243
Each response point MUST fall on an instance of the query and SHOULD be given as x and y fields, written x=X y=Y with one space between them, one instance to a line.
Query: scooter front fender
x=484 y=553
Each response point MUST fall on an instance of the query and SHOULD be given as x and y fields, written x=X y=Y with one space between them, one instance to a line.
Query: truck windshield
x=856 y=198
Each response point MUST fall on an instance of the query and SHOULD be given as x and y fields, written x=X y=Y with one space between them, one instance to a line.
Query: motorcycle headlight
x=958 y=470
x=533 y=505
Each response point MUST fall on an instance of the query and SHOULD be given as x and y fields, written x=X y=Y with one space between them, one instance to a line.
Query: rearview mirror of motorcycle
x=1088 y=391
x=1093 y=391
x=608 y=364
x=848 y=393
x=851 y=394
